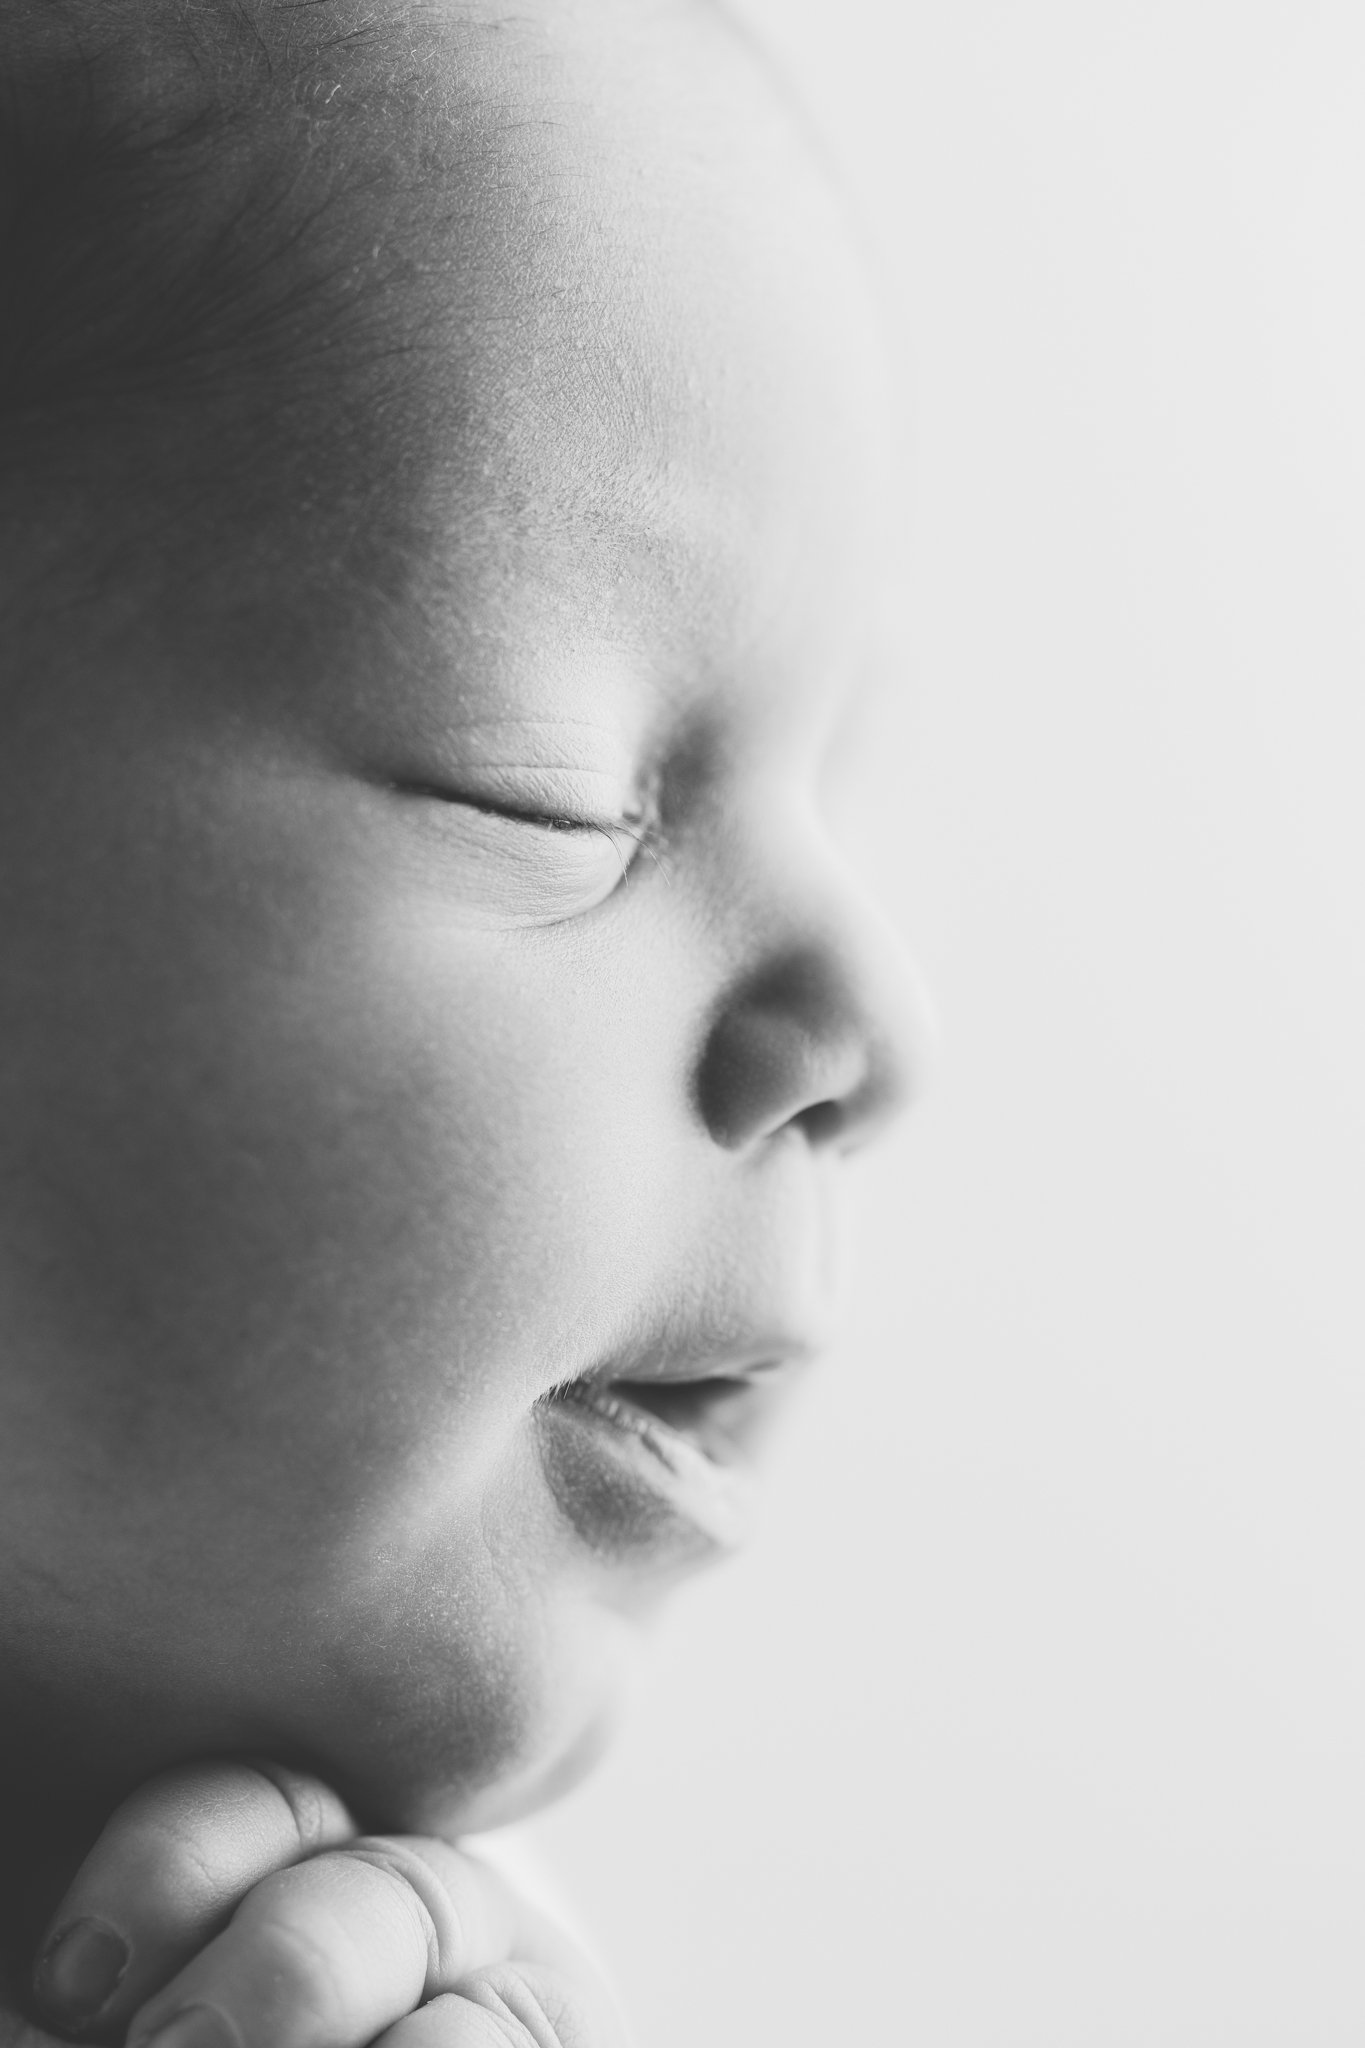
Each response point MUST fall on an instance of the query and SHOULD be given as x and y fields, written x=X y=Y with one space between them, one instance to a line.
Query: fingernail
x=79 y=1971
x=194 y=2026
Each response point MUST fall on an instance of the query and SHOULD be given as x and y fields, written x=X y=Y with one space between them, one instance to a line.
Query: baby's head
x=443 y=498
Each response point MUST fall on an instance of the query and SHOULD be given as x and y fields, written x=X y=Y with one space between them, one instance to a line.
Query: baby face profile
x=435 y=1016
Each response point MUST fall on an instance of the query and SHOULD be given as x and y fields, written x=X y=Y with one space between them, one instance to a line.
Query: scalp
x=176 y=175
x=170 y=174
x=208 y=245
x=249 y=250
x=148 y=148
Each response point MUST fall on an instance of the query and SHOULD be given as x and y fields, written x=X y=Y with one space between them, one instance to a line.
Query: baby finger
x=512 y=2005
x=164 y=1877
x=331 y=1952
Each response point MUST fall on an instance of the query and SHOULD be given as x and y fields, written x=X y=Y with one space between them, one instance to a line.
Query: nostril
x=824 y=1038
x=825 y=1123
x=770 y=1062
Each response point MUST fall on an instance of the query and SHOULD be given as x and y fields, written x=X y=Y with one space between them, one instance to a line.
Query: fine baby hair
x=444 y=479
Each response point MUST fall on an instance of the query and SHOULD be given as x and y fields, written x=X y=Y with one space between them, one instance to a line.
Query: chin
x=487 y=1750
x=513 y=1797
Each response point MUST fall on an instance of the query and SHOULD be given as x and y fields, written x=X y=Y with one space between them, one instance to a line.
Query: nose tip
x=829 y=1035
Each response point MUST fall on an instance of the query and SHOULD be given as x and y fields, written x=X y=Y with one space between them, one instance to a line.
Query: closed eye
x=524 y=863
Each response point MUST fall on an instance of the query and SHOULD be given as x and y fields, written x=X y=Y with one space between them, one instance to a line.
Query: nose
x=823 y=1027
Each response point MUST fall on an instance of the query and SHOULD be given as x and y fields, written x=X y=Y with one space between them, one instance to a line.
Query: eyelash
x=642 y=828
x=646 y=835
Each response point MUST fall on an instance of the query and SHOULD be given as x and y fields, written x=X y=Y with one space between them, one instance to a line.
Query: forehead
x=652 y=409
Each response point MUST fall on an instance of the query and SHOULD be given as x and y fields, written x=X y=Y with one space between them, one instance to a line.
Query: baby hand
x=233 y=1906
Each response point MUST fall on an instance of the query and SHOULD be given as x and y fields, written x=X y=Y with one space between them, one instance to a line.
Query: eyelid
x=622 y=835
x=634 y=822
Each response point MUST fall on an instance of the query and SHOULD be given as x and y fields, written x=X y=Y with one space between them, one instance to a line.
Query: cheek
x=310 y=1244
x=337 y=1201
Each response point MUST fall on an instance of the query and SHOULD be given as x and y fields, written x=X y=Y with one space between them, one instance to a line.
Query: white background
x=1043 y=1722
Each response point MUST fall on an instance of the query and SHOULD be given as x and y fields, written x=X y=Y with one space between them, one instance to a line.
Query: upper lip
x=678 y=1364
x=723 y=1402
x=678 y=1422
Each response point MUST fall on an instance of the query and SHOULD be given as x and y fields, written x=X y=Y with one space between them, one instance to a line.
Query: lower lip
x=630 y=1482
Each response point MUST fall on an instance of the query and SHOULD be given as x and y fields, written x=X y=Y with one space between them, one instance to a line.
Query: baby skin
x=444 y=490
x=235 y=1903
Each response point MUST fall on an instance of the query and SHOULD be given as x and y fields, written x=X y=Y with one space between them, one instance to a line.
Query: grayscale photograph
x=682 y=1003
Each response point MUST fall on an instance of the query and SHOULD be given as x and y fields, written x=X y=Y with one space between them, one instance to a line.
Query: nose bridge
x=822 y=1022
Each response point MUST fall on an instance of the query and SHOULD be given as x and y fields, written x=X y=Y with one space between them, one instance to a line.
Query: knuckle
x=530 y=2005
x=491 y=2028
x=310 y=1812
x=196 y=1839
x=419 y=1892
x=457 y=2021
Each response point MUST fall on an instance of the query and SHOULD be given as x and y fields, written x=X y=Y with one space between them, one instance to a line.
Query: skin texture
x=348 y=1107
x=241 y=1895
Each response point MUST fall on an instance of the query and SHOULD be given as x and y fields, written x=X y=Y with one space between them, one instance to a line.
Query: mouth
x=671 y=1454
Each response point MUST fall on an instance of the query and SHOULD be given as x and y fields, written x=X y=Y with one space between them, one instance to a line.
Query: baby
x=443 y=484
